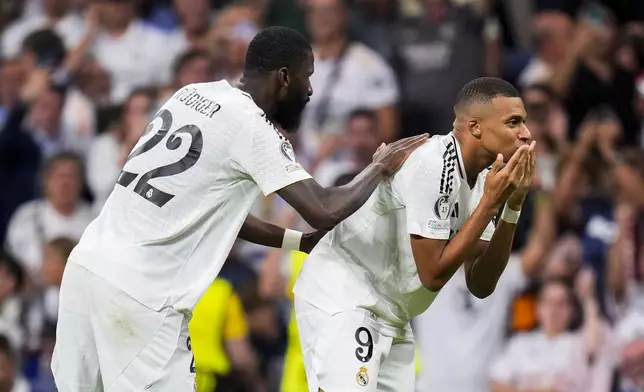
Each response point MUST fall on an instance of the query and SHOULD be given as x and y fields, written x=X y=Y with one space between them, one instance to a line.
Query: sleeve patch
x=441 y=207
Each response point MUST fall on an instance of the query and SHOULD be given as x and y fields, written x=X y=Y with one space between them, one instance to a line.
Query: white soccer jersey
x=184 y=193
x=367 y=261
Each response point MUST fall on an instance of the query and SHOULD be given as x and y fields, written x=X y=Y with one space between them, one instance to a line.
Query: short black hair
x=63 y=246
x=483 y=90
x=187 y=57
x=274 y=48
x=47 y=46
x=13 y=268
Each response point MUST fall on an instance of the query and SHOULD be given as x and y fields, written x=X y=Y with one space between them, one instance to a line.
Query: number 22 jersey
x=183 y=194
x=367 y=262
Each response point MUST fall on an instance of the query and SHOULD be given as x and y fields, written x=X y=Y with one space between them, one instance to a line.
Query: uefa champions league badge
x=362 y=378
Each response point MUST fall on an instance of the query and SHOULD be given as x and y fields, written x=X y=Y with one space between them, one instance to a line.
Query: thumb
x=498 y=163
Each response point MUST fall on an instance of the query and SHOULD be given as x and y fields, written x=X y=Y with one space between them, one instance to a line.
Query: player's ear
x=474 y=126
x=283 y=77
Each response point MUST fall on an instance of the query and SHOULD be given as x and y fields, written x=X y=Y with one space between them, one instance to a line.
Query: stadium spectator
x=43 y=312
x=11 y=304
x=552 y=358
x=590 y=77
x=356 y=148
x=220 y=342
x=348 y=75
x=57 y=15
x=552 y=33
x=20 y=155
x=60 y=213
x=195 y=18
x=437 y=52
x=118 y=47
x=10 y=378
x=109 y=150
x=192 y=67
x=11 y=79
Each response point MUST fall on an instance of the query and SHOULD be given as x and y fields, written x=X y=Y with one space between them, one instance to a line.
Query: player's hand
x=503 y=180
x=390 y=157
x=309 y=240
x=515 y=201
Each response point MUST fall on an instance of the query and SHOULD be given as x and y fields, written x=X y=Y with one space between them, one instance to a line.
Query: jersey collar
x=461 y=165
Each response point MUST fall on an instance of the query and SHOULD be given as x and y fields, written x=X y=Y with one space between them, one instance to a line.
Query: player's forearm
x=341 y=202
x=259 y=232
x=458 y=249
x=486 y=270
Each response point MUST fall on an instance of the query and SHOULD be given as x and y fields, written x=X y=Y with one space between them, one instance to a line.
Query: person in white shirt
x=60 y=213
x=119 y=48
x=348 y=76
x=109 y=150
x=552 y=358
x=178 y=205
x=56 y=16
x=375 y=271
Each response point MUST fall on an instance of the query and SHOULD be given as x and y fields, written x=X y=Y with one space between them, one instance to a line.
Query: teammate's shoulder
x=434 y=147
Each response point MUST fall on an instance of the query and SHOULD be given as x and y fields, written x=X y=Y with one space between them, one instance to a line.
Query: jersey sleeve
x=427 y=202
x=268 y=157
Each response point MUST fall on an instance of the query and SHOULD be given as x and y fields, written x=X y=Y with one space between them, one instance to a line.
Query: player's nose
x=524 y=135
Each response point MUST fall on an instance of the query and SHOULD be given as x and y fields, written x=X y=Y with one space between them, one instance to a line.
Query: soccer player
x=371 y=274
x=180 y=202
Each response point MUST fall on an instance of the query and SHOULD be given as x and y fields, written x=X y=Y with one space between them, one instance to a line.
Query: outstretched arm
x=268 y=158
x=264 y=233
x=323 y=208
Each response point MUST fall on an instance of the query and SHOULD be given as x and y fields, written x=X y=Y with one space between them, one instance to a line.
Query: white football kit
x=162 y=237
x=359 y=288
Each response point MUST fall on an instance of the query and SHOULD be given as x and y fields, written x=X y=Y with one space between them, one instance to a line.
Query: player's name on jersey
x=202 y=105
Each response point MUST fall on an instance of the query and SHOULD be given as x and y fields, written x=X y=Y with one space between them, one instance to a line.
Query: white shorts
x=348 y=352
x=107 y=341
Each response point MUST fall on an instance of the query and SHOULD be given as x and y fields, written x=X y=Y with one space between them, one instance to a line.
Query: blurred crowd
x=81 y=79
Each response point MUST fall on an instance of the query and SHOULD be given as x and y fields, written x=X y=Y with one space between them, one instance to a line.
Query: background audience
x=81 y=79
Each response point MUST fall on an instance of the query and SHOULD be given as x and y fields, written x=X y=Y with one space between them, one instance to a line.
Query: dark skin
x=486 y=133
x=282 y=94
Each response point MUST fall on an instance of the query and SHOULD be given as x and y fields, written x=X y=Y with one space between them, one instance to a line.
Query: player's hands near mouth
x=390 y=157
x=309 y=240
x=503 y=180
x=515 y=201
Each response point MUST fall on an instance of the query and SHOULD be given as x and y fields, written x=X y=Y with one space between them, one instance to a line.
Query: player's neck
x=257 y=90
x=330 y=48
x=475 y=160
